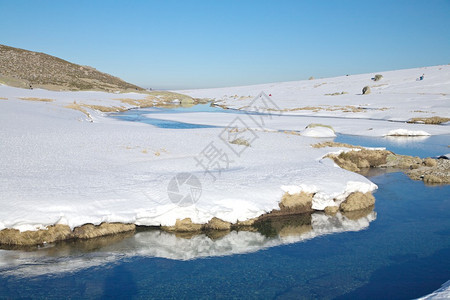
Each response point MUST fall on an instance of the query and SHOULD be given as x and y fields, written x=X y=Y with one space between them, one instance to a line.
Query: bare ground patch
x=313 y=125
x=82 y=108
x=430 y=120
x=78 y=107
x=292 y=132
x=347 y=108
x=36 y=99
x=241 y=142
x=105 y=108
x=162 y=99
x=336 y=94
x=429 y=170
x=319 y=84
x=335 y=144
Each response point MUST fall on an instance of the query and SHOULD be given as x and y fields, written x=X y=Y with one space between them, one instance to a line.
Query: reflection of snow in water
x=406 y=139
x=422 y=146
x=54 y=259
x=407 y=133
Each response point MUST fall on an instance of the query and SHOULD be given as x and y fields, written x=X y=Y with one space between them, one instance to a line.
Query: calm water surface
x=400 y=251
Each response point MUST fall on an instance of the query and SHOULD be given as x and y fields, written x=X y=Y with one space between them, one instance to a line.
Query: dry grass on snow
x=37 y=99
x=430 y=120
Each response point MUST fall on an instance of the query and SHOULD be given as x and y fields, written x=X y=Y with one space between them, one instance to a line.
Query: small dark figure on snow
x=421 y=77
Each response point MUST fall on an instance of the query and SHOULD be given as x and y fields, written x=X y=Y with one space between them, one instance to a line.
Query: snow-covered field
x=57 y=166
x=398 y=96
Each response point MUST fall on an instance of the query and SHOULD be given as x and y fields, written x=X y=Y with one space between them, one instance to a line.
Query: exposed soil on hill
x=28 y=69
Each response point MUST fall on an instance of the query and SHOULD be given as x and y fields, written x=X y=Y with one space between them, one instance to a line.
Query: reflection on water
x=423 y=146
x=406 y=139
x=72 y=256
x=372 y=172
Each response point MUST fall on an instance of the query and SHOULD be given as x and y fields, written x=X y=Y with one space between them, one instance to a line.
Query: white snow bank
x=406 y=132
x=323 y=197
x=297 y=189
x=57 y=167
x=397 y=97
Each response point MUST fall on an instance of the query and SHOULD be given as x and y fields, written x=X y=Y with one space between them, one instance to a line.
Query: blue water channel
x=143 y=115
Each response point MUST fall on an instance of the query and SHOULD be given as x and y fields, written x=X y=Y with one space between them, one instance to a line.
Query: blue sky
x=195 y=44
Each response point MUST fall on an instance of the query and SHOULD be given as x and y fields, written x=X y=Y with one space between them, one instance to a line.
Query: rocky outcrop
x=296 y=203
x=331 y=210
x=299 y=204
x=377 y=77
x=432 y=171
x=184 y=225
x=356 y=160
x=366 y=90
x=218 y=224
x=89 y=231
x=357 y=201
x=429 y=170
x=51 y=234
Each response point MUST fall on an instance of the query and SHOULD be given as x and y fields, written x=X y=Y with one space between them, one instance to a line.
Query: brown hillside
x=23 y=68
